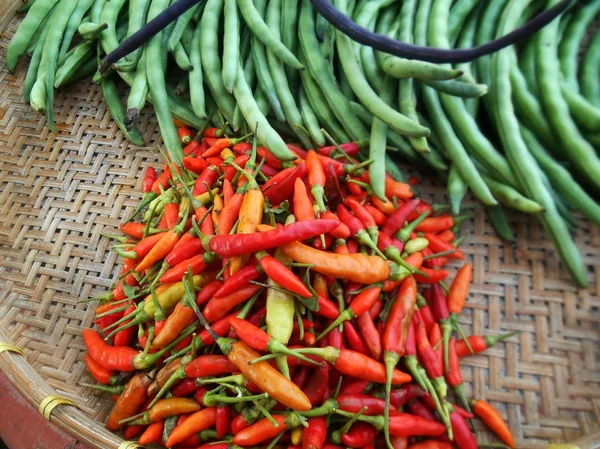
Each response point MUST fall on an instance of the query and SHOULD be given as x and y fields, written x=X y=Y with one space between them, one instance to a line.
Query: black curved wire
x=354 y=31
x=147 y=32
x=431 y=54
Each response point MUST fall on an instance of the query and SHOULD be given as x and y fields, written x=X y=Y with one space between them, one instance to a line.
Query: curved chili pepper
x=355 y=341
x=282 y=275
x=490 y=416
x=149 y=180
x=217 y=308
x=405 y=394
x=258 y=339
x=162 y=181
x=264 y=430
x=437 y=245
x=417 y=408
x=221 y=143
x=278 y=178
x=459 y=291
x=130 y=401
x=359 y=305
x=183 y=316
x=454 y=376
x=342 y=231
x=317 y=386
x=357 y=229
x=187 y=246
x=238 y=280
x=355 y=386
x=198 y=421
x=426 y=313
x=206 y=180
x=430 y=361
x=167 y=407
x=99 y=373
x=370 y=334
x=124 y=337
x=463 y=437
x=153 y=433
x=198 y=263
x=364 y=216
x=280 y=190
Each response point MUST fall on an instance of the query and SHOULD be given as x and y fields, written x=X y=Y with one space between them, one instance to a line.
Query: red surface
x=23 y=427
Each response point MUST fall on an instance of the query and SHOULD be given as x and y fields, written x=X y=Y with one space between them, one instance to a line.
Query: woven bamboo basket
x=59 y=191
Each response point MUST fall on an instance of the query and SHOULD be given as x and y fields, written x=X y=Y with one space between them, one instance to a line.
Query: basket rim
x=35 y=389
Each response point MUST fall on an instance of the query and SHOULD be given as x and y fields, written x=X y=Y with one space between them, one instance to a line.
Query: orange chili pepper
x=354 y=267
x=130 y=401
x=303 y=208
x=490 y=416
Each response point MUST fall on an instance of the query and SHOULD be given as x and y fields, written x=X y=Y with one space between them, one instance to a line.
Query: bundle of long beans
x=530 y=146
x=271 y=326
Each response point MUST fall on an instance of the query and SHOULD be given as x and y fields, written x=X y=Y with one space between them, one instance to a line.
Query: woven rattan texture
x=59 y=191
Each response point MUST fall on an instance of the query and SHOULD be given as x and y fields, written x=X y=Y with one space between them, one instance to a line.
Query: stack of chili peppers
x=271 y=303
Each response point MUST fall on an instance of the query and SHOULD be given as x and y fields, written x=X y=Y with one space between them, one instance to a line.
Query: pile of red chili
x=285 y=305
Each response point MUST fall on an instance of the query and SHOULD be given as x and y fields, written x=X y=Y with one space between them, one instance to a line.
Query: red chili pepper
x=353 y=403
x=315 y=433
x=300 y=377
x=185 y=135
x=98 y=372
x=196 y=165
x=222 y=420
x=417 y=408
x=480 y=343
x=162 y=181
x=433 y=276
x=216 y=133
x=217 y=308
x=405 y=394
x=360 y=435
x=238 y=280
x=396 y=220
x=184 y=388
x=426 y=313
x=370 y=334
x=170 y=216
x=437 y=245
x=440 y=311
x=281 y=189
x=432 y=444
x=463 y=437
x=113 y=358
x=342 y=231
x=354 y=339
x=360 y=304
x=282 y=275
x=198 y=264
x=218 y=145
x=238 y=244
x=135 y=230
x=315 y=390
x=149 y=180
x=319 y=245
x=205 y=181
x=435 y=224
x=336 y=339
x=191 y=148
x=130 y=401
x=125 y=336
x=299 y=151
x=269 y=157
x=192 y=246
x=195 y=423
